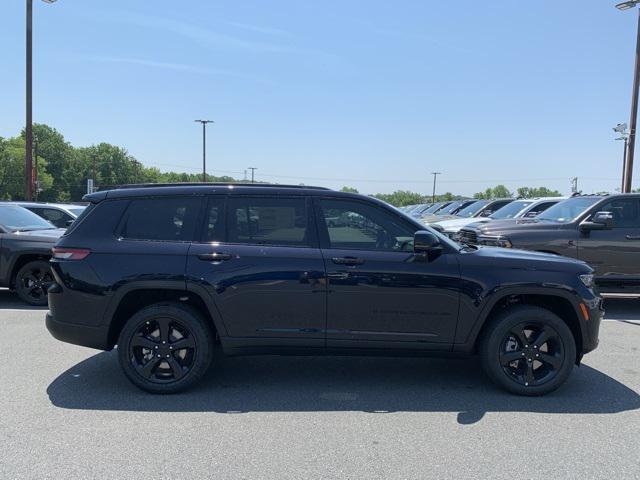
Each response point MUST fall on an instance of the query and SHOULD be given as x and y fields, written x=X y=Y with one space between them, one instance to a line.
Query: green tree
x=532 y=192
x=499 y=191
x=349 y=190
x=400 y=198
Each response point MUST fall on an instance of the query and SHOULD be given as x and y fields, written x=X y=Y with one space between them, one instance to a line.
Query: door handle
x=347 y=260
x=633 y=237
x=214 y=257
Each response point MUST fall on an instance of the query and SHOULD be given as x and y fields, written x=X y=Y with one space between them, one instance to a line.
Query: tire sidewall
x=190 y=319
x=492 y=341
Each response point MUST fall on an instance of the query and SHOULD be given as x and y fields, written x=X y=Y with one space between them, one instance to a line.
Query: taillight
x=70 y=253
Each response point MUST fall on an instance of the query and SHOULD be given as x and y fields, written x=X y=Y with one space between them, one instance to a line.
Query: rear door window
x=161 y=219
x=269 y=221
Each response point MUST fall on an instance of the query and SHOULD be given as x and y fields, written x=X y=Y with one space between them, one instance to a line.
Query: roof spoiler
x=95 y=197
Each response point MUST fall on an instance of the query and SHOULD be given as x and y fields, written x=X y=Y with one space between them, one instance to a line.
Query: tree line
x=63 y=170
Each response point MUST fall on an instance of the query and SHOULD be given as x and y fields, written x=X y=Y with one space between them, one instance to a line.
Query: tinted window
x=268 y=221
x=214 y=221
x=57 y=217
x=624 y=211
x=494 y=206
x=167 y=218
x=354 y=225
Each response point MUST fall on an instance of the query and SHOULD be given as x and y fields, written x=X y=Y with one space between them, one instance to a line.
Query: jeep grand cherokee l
x=168 y=273
x=602 y=230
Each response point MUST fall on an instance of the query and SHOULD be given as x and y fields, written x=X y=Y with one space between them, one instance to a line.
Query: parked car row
x=602 y=230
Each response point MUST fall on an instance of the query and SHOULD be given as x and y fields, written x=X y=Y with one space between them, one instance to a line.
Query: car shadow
x=10 y=301
x=367 y=384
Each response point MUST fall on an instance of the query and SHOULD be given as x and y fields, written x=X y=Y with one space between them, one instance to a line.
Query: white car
x=522 y=208
x=59 y=214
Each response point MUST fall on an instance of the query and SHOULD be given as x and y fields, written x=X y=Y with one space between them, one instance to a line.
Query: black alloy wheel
x=165 y=348
x=531 y=353
x=527 y=350
x=32 y=282
x=162 y=350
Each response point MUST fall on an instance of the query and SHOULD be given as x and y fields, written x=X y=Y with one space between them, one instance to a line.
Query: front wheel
x=528 y=350
x=32 y=282
x=165 y=348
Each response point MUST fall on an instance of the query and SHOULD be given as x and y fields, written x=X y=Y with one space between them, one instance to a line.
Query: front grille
x=468 y=236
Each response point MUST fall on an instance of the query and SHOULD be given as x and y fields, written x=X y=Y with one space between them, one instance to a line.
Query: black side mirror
x=426 y=242
x=599 y=221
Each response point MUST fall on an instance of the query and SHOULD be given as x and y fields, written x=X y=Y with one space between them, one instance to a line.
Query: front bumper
x=591 y=327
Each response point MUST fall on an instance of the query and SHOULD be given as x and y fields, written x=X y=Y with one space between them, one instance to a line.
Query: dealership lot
x=68 y=412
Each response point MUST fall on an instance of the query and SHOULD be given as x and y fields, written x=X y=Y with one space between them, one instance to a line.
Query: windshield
x=451 y=207
x=15 y=218
x=510 y=210
x=568 y=210
x=433 y=208
x=470 y=210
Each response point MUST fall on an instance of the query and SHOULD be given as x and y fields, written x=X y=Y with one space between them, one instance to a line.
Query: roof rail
x=217 y=184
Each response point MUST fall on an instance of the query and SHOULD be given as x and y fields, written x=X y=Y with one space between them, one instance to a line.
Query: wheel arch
x=138 y=297
x=560 y=302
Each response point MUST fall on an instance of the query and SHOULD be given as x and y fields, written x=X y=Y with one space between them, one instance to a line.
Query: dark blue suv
x=170 y=273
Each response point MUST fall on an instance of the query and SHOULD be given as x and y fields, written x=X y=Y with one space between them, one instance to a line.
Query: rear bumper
x=92 y=337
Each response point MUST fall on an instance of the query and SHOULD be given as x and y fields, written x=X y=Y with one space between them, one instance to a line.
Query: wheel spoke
x=148 y=368
x=521 y=336
x=31 y=277
x=507 y=357
x=541 y=338
x=183 y=343
x=165 y=329
x=529 y=378
x=176 y=368
x=142 y=341
x=551 y=360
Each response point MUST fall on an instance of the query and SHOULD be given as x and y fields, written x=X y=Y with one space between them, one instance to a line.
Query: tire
x=527 y=350
x=149 y=353
x=32 y=281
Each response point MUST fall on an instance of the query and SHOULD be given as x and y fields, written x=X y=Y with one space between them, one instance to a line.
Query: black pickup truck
x=602 y=230
x=25 y=249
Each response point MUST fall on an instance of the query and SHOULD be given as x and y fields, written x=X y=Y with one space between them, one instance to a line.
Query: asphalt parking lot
x=67 y=412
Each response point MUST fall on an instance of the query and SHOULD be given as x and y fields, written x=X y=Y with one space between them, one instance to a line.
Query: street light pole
x=253 y=170
x=631 y=143
x=204 y=147
x=433 y=196
x=28 y=131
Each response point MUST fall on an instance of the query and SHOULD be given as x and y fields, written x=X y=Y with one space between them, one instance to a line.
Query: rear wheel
x=165 y=348
x=32 y=282
x=528 y=350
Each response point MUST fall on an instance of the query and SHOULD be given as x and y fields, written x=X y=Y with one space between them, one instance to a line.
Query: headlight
x=495 y=242
x=587 y=279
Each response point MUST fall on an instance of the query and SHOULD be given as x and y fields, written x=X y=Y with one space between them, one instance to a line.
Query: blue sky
x=371 y=94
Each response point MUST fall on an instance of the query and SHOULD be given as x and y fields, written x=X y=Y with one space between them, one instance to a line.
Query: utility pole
x=433 y=196
x=204 y=147
x=253 y=169
x=35 y=169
